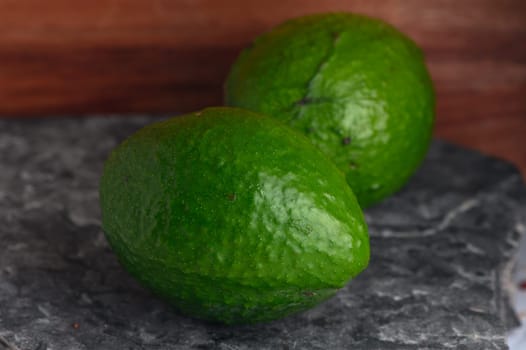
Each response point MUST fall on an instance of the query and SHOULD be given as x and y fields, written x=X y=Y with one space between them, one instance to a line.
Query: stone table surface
x=442 y=252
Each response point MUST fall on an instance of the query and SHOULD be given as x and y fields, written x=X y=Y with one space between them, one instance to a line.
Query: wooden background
x=65 y=57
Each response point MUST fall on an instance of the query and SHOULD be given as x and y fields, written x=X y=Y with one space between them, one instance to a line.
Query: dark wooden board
x=65 y=57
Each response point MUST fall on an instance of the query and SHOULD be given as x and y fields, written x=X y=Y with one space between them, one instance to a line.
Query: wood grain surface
x=79 y=57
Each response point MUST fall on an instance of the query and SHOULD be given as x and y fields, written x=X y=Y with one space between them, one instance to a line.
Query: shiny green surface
x=357 y=87
x=232 y=216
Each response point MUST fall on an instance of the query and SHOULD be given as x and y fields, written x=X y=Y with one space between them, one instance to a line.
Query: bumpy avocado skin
x=231 y=216
x=357 y=87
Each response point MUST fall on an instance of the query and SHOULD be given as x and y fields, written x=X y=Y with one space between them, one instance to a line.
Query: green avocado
x=356 y=86
x=231 y=216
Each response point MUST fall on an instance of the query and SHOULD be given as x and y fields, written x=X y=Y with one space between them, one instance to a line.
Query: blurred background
x=65 y=57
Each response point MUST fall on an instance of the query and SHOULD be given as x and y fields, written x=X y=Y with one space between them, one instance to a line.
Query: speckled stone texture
x=441 y=252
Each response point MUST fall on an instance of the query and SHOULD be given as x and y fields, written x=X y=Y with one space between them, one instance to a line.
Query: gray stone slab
x=441 y=252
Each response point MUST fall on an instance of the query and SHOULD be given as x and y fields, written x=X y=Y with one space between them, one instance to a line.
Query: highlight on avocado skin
x=357 y=87
x=232 y=216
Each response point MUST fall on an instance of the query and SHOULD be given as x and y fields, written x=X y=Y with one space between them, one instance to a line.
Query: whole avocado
x=356 y=86
x=231 y=216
